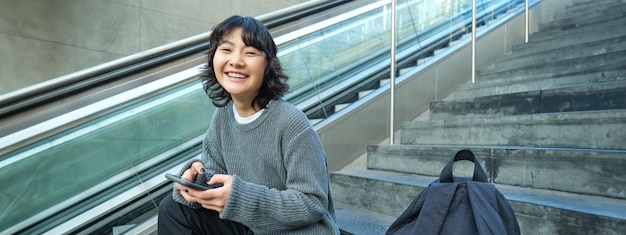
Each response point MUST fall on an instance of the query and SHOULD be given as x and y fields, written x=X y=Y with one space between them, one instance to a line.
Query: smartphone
x=190 y=184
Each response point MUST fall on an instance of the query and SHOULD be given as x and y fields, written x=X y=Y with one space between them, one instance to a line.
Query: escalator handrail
x=39 y=93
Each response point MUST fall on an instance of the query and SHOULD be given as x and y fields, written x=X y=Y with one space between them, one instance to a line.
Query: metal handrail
x=392 y=70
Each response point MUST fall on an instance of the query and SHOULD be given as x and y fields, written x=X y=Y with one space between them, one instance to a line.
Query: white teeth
x=236 y=75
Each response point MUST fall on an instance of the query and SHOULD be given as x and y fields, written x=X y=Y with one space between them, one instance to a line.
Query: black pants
x=178 y=219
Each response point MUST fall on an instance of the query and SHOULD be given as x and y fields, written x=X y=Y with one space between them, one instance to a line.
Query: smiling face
x=239 y=68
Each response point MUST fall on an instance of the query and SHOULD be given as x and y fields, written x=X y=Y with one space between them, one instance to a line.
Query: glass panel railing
x=318 y=60
x=317 y=55
x=75 y=161
x=72 y=162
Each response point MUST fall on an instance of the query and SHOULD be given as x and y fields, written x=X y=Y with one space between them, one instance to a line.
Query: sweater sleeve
x=209 y=159
x=212 y=157
x=303 y=202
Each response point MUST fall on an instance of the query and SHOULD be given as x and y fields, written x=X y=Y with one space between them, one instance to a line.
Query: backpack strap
x=484 y=198
x=479 y=173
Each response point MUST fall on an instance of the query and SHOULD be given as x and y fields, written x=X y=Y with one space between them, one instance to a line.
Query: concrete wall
x=43 y=39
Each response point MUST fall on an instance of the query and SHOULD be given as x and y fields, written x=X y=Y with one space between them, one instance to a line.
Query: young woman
x=261 y=148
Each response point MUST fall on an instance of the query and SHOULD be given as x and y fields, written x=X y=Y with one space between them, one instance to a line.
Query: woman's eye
x=252 y=53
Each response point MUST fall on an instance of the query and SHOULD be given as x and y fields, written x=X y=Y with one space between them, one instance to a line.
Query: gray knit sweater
x=280 y=178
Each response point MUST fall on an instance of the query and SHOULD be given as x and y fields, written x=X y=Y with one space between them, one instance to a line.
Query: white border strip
x=326 y=23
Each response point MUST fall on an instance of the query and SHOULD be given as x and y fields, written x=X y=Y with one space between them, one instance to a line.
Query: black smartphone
x=190 y=184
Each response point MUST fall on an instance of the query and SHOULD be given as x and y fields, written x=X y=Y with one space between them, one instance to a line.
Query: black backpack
x=458 y=205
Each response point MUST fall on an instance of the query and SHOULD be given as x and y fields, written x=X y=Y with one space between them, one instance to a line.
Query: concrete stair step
x=588 y=3
x=601 y=62
x=357 y=221
x=590 y=130
x=574 y=39
x=559 y=57
x=613 y=20
x=383 y=192
x=562 y=53
x=537 y=211
x=567 y=170
x=586 y=7
x=585 y=15
x=580 y=97
x=515 y=84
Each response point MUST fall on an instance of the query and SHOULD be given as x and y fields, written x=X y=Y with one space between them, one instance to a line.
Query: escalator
x=95 y=163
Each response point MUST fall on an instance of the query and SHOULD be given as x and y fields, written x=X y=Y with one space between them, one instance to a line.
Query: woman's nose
x=235 y=60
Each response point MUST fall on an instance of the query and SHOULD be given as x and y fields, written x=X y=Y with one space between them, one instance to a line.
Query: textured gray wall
x=43 y=39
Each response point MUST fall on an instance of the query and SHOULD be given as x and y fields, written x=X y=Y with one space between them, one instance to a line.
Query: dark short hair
x=256 y=35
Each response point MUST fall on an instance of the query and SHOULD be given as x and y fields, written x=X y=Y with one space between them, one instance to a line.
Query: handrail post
x=392 y=78
x=527 y=23
x=473 y=41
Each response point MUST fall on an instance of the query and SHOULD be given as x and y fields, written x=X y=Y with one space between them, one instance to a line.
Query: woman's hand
x=212 y=199
x=190 y=175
